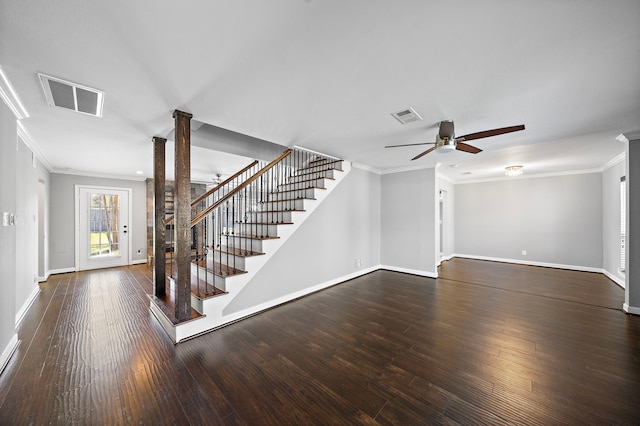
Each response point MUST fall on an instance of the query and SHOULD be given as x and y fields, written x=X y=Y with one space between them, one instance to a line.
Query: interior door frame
x=128 y=237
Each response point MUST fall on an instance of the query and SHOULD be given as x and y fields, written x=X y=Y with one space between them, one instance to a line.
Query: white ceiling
x=327 y=74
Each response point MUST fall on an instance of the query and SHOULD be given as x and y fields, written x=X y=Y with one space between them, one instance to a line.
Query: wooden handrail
x=220 y=185
x=246 y=183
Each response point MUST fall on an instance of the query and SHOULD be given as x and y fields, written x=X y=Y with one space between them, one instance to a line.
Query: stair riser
x=259 y=229
x=270 y=217
x=291 y=195
x=284 y=205
x=247 y=244
x=229 y=259
x=314 y=175
x=320 y=166
x=318 y=183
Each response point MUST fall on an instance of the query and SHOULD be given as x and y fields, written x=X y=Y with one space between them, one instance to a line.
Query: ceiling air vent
x=73 y=96
x=407 y=116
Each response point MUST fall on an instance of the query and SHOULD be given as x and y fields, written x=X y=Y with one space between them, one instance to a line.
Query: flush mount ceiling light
x=513 y=170
x=73 y=96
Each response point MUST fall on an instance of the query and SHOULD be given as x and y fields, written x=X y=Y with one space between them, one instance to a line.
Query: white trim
x=405 y=169
x=60 y=271
x=532 y=176
x=615 y=160
x=32 y=145
x=254 y=310
x=138 y=262
x=316 y=152
x=8 y=351
x=11 y=98
x=616 y=279
x=532 y=263
x=366 y=168
x=630 y=309
x=85 y=173
x=129 y=192
x=45 y=278
x=410 y=271
x=26 y=305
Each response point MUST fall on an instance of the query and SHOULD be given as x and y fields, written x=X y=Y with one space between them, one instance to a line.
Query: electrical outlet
x=524 y=252
x=139 y=251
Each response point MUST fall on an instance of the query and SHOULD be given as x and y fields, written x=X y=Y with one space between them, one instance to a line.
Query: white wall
x=448 y=216
x=557 y=220
x=8 y=137
x=409 y=235
x=345 y=227
x=611 y=221
x=28 y=172
x=62 y=217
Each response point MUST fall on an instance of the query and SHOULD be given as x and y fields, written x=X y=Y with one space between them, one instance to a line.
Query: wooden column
x=159 y=215
x=182 y=203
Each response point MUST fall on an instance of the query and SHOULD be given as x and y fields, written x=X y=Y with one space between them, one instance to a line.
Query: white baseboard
x=138 y=262
x=410 y=271
x=235 y=316
x=61 y=271
x=45 y=278
x=616 y=279
x=8 y=351
x=26 y=305
x=532 y=263
x=631 y=309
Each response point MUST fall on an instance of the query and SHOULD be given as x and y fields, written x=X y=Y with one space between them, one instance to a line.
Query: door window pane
x=104 y=226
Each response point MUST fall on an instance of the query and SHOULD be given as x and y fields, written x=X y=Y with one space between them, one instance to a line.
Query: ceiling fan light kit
x=513 y=171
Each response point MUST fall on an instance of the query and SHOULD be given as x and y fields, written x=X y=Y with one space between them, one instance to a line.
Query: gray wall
x=632 y=289
x=611 y=219
x=62 y=218
x=409 y=212
x=345 y=227
x=7 y=233
x=557 y=220
x=28 y=172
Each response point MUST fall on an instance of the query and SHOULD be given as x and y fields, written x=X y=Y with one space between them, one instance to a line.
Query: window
x=104 y=217
x=623 y=223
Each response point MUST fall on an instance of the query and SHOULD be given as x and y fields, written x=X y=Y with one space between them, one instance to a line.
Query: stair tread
x=308 y=180
x=219 y=269
x=288 y=199
x=238 y=252
x=264 y=223
x=279 y=211
x=251 y=237
x=298 y=189
x=324 y=161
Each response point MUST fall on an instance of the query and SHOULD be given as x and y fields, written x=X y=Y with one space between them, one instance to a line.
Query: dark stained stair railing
x=231 y=221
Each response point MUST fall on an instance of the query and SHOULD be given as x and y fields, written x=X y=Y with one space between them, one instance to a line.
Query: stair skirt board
x=212 y=308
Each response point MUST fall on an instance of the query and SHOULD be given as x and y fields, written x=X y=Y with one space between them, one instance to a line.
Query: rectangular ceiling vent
x=407 y=116
x=73 y=96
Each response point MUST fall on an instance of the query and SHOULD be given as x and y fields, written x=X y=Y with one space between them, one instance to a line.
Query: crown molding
x=11 y=98
x=28 y=140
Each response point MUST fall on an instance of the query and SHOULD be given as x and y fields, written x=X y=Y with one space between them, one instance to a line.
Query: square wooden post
x=182 y=215
x=159 y=221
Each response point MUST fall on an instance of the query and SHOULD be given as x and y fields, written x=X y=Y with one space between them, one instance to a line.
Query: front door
x=102 y=227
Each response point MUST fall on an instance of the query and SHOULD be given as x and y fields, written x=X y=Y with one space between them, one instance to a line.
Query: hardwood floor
x=486 y=343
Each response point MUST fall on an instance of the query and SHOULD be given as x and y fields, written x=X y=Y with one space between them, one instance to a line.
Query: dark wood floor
x=487 y=343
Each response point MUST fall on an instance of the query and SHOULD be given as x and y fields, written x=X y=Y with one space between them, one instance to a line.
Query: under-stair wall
x=324 y=250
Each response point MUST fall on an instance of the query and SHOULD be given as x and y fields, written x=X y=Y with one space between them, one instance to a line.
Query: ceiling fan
x=447 y=141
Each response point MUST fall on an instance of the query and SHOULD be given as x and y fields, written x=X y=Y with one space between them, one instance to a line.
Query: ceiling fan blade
x=461 y=146
x=410 y=144
x=488 y=133
x=423 y=153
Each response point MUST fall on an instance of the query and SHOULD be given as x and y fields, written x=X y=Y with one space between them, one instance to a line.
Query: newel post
x=159 y=222
x=182 y=200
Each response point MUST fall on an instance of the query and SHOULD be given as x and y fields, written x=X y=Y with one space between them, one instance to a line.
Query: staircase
x=238 y=226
